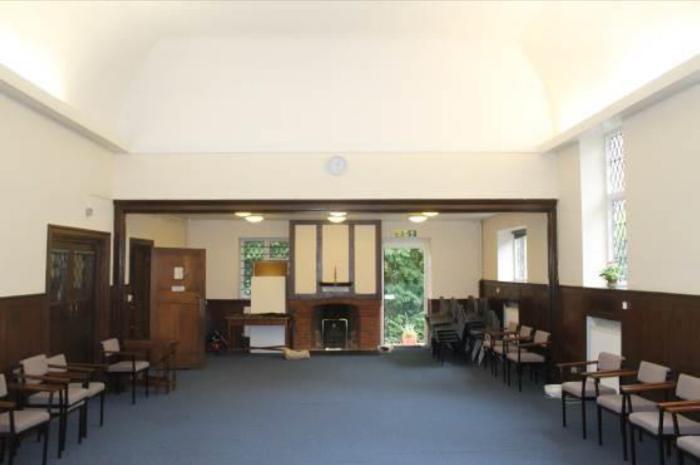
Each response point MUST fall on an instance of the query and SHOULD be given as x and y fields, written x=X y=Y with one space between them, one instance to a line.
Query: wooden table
x=248 y=319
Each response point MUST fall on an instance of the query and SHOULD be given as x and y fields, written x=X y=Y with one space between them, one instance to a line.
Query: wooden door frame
x=101 y=241
x=135 y=241
x=124 y=207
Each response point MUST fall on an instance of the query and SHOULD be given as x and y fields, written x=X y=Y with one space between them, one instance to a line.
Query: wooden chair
x=661 y=423
x=94 y=387
x=588 y=387
x=686 y=445
x=508 y=344
x=162 y=356
x=72 y=397
x=16 y=421
x=493 y=341
x=533 y=354
x=121 y=364
x=621 y=405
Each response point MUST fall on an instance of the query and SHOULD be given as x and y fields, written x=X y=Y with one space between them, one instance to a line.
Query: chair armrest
x=636 y=388
x=677 y=404
x=691 y=406
x=533 y=344
x=610 y=374
x=94 y=366
x=72 y=368
x=123 y=353
x=71 y=375
x=48 y=379
x=34 y=387
x=6 y=406
x=577 y=364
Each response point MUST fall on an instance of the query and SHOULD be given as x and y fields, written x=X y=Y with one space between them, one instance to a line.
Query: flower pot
x=612 y=284
x=409 y=339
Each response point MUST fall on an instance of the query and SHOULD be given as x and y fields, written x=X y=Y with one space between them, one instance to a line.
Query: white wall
x=49 y=175
x=455 y=254
x=569 y=216
x=536 y=225
x=279 y=176
x=221 y=238
x=662 y=145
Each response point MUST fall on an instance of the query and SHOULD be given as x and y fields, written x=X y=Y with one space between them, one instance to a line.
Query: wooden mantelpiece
x=368 y=313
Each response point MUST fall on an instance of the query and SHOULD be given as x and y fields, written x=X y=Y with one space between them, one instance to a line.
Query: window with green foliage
x=617 y=208
x=404 y=295
x=253 y=250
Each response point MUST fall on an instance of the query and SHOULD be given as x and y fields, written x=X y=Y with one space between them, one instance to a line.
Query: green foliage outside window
x=405 y=293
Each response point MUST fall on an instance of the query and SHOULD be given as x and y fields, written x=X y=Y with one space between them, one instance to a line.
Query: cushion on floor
x=126 y=366
x=574 y=388
x=24 y=419
x=690 y=444
x=650 y=422
x=614 y=402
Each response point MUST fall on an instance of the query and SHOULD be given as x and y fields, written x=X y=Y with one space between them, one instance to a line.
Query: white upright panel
x=267 y=295
x=305 y=259
x=335 y=253
x=365 y=259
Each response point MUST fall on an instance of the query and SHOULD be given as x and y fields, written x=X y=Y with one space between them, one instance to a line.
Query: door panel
x=178 y=278
x=140 y=284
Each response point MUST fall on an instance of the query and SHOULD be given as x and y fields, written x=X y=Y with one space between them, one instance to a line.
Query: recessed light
x=417 y=218
x=243 y=214
x=254 y=218
x=336 y=219
x=430 y=214
x=338 y=213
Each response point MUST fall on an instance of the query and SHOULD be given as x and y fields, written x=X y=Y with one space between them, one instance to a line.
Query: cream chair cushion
x=76 y=394
x=24 y=419
x=688 y=387
x=37 y=365
x=650 y=422
x=3 y=386
x=111 y=345
x=93 y=388
x=613 y=402
x=57 y=360
x=574 y=388
x=690 y=444
x=526 y=357
x=126 y=366
x=608 y=361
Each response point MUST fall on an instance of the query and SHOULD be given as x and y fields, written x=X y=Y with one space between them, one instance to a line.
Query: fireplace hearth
x=336 y=326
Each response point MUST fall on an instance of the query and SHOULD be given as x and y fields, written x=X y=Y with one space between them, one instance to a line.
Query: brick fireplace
x=361 y=315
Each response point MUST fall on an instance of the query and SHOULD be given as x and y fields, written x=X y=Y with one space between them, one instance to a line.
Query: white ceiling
x=353 y=76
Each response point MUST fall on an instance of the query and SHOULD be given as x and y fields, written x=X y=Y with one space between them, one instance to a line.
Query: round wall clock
x=336 y=165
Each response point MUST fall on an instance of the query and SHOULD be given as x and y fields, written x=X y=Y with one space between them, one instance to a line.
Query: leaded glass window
x=253 y=250
x=617 y=211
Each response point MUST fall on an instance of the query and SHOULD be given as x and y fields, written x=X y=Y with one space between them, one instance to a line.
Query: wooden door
x=140 y=288
x=72 y=297
x=178 y=279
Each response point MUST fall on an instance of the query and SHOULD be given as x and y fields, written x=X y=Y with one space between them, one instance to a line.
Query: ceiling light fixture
x=336 y=219
x=254 y=218
x=338 y=214
x=430 y=214
x=417 y=218
x=243 y=214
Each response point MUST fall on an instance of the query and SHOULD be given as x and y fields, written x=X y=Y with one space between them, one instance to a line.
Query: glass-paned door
x=404 y=292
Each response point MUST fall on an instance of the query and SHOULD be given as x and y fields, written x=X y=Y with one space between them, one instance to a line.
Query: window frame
x=241 y=258
x=613 y=197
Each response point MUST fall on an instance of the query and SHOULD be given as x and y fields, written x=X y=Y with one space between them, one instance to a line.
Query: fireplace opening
x=336 y=326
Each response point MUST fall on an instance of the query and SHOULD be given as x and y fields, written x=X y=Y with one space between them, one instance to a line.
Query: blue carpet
x=400 y=408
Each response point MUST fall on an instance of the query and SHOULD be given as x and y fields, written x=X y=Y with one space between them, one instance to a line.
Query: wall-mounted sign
x=405 y=233
x=178 y=272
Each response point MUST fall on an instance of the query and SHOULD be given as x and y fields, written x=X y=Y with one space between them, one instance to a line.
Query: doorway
x=603 y=335
x=139 y=297
x=405 y=277
x=77 y=284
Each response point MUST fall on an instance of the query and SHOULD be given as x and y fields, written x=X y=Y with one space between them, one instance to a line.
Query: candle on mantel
x=335 y=275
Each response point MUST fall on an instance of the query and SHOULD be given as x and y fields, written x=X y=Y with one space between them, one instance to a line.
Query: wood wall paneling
x=24 y=328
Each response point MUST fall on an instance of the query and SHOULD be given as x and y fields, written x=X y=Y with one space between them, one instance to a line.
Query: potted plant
x=611 y=274
x=408 y=334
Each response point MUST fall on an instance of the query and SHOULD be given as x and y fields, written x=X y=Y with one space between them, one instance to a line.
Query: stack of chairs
x=445 y=328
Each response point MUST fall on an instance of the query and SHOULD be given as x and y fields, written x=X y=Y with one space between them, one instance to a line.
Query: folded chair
x=121 y=364
x=686 y=445
x=617 y=404
x=589 y=387
x=71 y=398
x=16 y=421
x=660 y=423
x=533 y=354
x=95 y=388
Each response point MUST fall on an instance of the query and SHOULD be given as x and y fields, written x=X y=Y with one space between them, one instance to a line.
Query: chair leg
x=3 y=444
x=633 y=445
x=102 y=408
x=45 y=453
x=147 y=380
x=583 y=417
x=681 y=457
x=563 y=409
x=133 y=387
x=520 y=376
x=661 y=450
x=12 y=448
x=599 y=412
x=623 y=430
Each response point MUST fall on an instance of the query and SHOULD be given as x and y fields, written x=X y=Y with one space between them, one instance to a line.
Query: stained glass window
x=253 y=250
x=617 y=211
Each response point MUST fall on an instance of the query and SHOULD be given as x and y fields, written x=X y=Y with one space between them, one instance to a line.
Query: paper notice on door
x=178 y=272
x=177 y=288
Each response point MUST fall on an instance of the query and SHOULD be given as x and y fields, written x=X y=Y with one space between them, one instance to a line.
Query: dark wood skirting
x=24 y=328
x=658 y=327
